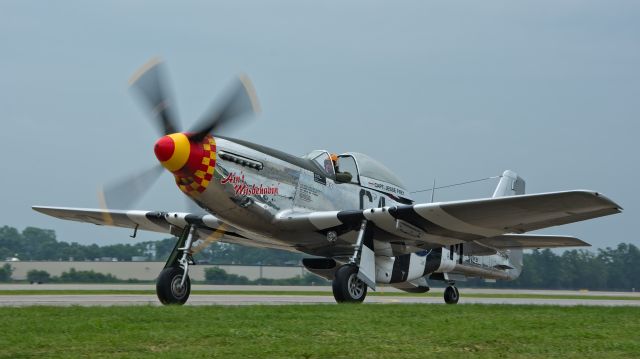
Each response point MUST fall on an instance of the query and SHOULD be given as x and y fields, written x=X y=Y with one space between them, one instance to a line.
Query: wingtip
x=600 y=195
x=42 y=209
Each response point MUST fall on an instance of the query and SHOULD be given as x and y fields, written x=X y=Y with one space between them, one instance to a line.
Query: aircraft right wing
x=208 y=227
x=492 y=221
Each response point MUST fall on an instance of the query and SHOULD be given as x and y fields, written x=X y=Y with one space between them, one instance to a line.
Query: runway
x=259 y=299
x=49 y=299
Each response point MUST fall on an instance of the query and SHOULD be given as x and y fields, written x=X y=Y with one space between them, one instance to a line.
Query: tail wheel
x=347 y=288
x=168 y=286
x=451 y=295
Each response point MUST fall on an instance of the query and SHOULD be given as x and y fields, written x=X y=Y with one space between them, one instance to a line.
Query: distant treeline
x=35 y=244
x=605 y=269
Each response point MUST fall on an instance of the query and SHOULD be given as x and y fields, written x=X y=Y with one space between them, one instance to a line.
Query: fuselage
x=251 y=187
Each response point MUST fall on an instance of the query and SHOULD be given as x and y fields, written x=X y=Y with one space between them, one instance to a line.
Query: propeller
x=239 y=101
x=150 y=83
x=125 y=192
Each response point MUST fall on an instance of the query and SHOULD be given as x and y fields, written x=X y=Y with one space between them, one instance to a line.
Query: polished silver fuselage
x=253 y=200
x=298 y=190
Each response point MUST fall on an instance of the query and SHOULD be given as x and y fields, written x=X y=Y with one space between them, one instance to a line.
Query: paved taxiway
x=21 y=300
x=206 y=299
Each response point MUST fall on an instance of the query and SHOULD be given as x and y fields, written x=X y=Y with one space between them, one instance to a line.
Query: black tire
x=347 y=288
x=451 y=295
x=168 y=286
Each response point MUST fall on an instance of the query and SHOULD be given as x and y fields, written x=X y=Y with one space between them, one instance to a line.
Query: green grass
x=328 y=293
x=321 y=331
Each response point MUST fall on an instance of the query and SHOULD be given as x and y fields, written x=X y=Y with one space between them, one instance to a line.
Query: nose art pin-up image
x=354 y=217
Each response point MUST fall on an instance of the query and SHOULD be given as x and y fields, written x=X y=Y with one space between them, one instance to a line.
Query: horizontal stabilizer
x=531 y=241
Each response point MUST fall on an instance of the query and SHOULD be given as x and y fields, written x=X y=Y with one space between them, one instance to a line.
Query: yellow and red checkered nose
x=192 y=163
x=173 y=151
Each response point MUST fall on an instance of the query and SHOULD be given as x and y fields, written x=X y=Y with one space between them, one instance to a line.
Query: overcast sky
x=455 y=90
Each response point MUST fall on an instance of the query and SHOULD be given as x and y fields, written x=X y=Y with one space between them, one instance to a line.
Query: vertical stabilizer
x=511 y=185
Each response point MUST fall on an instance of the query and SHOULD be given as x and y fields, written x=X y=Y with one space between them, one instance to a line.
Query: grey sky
x=453 y=90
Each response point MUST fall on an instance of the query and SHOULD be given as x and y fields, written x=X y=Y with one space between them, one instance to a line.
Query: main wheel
x=347 y=288
x=168 y=286
x=451 y=295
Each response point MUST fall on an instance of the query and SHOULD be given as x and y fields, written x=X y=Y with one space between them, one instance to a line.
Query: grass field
x=321 y=331
x=328 y=293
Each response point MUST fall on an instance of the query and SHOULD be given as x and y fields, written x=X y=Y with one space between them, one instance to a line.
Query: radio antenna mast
x=433 y=189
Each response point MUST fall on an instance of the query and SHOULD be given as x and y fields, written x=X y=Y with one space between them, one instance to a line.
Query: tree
x=10 y=242
x=164 y=248
x=623 y=266
x=39 y=244
x=226 y=253
x=5 y=272
x=217 y=275
x=38 y=276
x=74 y=276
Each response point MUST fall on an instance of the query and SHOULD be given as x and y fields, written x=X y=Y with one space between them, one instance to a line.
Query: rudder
x=511 y=185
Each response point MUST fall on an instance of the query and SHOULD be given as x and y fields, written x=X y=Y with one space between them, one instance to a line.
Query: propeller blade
x=240 y=100
x=150 y=83
x=125 y=192
x=213 y=237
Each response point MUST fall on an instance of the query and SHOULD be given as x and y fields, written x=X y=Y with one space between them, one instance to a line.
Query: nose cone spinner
x=173 y=151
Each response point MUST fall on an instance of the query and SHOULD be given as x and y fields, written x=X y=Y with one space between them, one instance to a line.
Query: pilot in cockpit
x=330 y=164
x=340 y=176
x=334 y=162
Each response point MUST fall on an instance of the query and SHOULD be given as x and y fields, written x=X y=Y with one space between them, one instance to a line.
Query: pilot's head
x=328 y=166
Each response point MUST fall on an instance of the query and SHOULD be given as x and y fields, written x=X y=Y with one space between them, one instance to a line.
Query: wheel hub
x=355 y=286
x=177 y=289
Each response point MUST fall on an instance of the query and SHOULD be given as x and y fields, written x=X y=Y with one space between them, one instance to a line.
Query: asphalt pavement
x=21 y=300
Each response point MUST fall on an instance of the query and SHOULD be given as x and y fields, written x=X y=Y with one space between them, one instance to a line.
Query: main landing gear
x=347 y=287
x=349 y=284
x=451 y=294
x=173 y=285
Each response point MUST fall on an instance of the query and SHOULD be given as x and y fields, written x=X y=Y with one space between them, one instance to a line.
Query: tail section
x=511 y=185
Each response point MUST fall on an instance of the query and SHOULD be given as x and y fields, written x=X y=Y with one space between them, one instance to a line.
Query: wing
x=518 y=214
x=487 y=220
x=209 y=227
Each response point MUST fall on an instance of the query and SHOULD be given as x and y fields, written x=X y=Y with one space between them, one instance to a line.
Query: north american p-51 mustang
x=352 y=215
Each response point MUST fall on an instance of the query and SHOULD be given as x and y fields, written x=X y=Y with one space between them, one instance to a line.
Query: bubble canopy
x=368 y=167
x=370 y=172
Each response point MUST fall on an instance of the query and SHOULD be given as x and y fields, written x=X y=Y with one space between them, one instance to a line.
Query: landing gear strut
x=173 y=285
x=451 y=294
x=347 y=285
